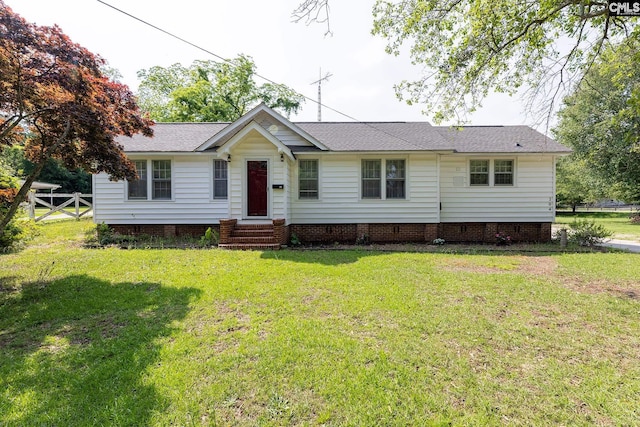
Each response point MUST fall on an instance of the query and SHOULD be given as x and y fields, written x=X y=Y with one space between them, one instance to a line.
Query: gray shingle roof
x=373 y=136
x=376 y=136
x=172 y=137
x=499 y=139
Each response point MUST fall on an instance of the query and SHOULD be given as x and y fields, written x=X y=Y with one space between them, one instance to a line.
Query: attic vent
x=273 y=129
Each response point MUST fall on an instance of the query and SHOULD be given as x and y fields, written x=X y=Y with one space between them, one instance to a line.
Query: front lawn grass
x=210 y=337
x=616 y=222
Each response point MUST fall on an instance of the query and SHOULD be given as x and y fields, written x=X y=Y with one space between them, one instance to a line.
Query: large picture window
x=220 y=178
x=308 y=179
x=371 y=179
x=138 y=187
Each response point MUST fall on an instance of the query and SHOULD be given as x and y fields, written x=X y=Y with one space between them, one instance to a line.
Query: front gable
x=273 y=126
x=252 y=129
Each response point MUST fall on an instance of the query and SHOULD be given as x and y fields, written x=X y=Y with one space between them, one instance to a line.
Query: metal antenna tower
x=319 y=81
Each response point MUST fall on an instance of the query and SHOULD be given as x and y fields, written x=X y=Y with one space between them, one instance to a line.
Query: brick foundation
x=486 y=232
x=280 y=231
x=450 y=232
x=164 y=230
x=401 y=232
x=328 y=233
x=350 y=233
x=226 y=229
x=526 y=232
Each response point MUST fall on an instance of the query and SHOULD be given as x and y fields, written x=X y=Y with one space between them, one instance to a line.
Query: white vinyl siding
x=341 y=198
x=283 y=133
x=308 y=179
x=191 y=202
x=530 y=198
x=220 y=179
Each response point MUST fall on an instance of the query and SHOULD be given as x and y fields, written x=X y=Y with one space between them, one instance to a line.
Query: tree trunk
x=20 y=197
x=43 y=157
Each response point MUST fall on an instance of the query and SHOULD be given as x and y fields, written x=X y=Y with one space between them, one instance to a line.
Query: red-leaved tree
x=55 y=99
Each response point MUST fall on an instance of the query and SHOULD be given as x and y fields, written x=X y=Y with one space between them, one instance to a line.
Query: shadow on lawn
x=328 y=256
x=345 y=254
x=74 y=351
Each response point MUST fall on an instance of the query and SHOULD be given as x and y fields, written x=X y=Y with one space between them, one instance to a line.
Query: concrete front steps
x=251 y=237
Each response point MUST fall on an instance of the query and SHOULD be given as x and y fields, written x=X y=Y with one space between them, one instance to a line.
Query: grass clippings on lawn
x=348 y=337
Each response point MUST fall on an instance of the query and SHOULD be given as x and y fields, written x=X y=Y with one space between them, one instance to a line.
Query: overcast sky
x=363 y=75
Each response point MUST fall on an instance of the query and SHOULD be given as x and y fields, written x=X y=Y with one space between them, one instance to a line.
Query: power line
x=170 y=34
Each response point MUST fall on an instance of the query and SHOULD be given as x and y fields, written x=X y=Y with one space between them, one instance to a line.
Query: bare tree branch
x=311 y=11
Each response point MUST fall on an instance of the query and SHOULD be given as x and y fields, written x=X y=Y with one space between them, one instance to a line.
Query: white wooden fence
x=77 y=200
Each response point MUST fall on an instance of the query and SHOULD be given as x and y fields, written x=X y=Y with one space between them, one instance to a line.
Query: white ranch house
x=262 y=178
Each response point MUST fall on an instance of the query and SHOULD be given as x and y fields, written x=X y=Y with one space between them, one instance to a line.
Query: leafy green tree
x=7 y=175
x=600 y=120
x=469 y=48
x=209 y=91
x=53 y=171
x=576 y=183
x=57 y=103
x=70 y=181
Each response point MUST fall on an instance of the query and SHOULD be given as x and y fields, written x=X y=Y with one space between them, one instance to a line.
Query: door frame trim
x=245 y=188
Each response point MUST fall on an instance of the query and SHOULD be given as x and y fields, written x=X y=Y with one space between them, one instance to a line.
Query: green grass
x=208 y=337
x=617 y=222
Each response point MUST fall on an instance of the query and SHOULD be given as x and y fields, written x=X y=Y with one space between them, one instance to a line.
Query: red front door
x=257 y=188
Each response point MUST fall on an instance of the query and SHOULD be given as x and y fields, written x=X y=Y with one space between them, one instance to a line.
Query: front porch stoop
x=250 y=236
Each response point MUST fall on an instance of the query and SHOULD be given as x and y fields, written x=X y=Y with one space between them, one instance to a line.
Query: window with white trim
x=138 y=188
x=479 y=172
x=393 y=180
x=161 y=180
x=395 y=174
x=220 y=177
x=494 y=172
x=503 y=172
x=155 y=185
x=371 y=179
x=308 y=179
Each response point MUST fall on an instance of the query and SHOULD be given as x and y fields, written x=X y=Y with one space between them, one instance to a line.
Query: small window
x=308 y=179
x=395 y=174
x=138 y=187
x=371 y=179
x=503 y=172
x=161 y=181
x=220 y=179
x=479 y=172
